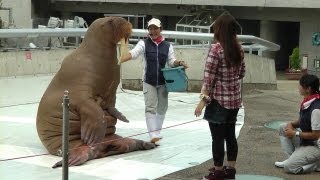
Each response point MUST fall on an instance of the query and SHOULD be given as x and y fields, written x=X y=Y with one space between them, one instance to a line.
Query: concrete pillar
x=20 y=13
x=268 y=31
x=307 y=30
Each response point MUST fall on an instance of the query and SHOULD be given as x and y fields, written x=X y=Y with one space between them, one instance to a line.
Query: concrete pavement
x=259 y=146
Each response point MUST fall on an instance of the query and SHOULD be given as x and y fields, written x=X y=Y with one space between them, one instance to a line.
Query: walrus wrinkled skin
x=91 y=75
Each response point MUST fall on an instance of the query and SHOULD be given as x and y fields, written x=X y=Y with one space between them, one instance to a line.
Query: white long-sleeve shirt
x=139 y=49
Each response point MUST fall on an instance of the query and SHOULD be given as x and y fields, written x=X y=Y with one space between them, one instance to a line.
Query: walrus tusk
x=123 y=49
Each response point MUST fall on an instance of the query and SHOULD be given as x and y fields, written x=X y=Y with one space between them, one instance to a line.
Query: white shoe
x=155 y=139
x=280 y=164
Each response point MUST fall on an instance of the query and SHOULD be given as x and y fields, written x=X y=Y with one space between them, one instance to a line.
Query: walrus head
x=108 y=31
x=120 y=27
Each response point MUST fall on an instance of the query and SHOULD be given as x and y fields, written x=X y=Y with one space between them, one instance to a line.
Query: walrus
x=91 y=74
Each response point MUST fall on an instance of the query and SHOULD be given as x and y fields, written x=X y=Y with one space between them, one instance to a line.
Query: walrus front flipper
x=93 y=123
x=115 y=113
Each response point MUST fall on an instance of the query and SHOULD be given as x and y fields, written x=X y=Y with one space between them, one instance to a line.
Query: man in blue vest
x=300 y=139
x=157 y=53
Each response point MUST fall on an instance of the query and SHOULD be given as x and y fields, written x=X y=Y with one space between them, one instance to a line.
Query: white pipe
x=42 y=32
x=209 y=36
x=76 y=32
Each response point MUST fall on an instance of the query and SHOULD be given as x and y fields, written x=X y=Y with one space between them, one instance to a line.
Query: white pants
x=156 y=105
x=302 y=159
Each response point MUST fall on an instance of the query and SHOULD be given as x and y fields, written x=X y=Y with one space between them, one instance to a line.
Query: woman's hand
x=199 y=108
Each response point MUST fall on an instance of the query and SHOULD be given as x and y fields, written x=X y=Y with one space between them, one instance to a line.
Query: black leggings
x=220 y=133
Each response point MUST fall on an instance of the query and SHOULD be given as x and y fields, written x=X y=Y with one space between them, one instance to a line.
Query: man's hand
x=184 y=64
x=181 y=63
x=289 y=132
x=124 y=58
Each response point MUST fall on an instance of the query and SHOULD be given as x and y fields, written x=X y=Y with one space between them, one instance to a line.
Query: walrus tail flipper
x=112 y=145
x=77 y=156
x=115 y=144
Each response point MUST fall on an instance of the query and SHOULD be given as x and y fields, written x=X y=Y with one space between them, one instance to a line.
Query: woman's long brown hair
x=225 y=33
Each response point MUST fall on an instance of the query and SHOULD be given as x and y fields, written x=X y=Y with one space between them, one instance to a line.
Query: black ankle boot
x=215 y=175
x=230 y=172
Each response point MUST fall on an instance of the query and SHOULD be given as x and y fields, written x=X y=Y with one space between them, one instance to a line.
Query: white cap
x=155 y=22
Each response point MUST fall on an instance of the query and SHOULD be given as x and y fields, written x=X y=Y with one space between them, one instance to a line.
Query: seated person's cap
x=155 y=22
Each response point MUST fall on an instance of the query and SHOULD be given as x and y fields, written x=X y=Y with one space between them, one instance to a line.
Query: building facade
x=289 y=23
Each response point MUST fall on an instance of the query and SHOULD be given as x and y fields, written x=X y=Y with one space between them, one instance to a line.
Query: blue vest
x=156 y=57
x=305 y=121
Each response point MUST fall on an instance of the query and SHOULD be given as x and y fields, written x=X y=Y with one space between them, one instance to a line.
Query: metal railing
x=256 y=42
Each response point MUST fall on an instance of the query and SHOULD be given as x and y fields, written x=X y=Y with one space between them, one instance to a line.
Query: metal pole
x=65 y=136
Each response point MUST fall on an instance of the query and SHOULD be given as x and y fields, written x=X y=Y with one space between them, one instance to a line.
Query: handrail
x=76 y=32
x=209 y=36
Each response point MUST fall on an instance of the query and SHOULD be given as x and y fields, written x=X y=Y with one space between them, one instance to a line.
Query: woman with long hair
x=221 y=95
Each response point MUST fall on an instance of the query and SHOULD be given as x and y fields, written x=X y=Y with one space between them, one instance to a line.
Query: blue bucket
x=176 y=79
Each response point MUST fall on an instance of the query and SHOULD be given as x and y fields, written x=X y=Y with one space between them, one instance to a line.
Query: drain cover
x=274 y=124
x=256 y=177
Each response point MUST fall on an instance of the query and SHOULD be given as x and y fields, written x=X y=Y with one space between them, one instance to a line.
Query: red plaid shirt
x=222 y=83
